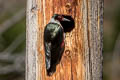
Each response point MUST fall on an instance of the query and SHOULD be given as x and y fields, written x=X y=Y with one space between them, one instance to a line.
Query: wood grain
x=82 y=58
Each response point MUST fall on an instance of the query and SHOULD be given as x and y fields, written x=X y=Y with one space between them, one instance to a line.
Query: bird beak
x=64 y=19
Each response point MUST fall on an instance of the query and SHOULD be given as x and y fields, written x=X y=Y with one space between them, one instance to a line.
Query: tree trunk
x=82 y=57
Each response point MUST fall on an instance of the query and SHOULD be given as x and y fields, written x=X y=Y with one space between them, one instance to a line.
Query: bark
x=82 y=58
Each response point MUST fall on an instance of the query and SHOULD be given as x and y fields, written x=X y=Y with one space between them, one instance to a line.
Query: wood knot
x=33 y=9
x=68 y=7
x=67 y=53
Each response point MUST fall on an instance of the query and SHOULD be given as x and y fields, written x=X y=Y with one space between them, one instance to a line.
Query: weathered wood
x=82 y=58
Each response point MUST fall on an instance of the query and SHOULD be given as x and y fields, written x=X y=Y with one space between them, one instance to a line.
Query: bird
x=54 y=42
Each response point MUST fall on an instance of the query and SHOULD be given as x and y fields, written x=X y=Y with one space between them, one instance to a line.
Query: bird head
x=58 y=17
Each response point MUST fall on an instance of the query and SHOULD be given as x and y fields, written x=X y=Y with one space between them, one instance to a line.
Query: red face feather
x=59 y=18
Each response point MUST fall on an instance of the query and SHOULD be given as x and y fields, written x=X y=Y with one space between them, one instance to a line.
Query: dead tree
x=82 y=58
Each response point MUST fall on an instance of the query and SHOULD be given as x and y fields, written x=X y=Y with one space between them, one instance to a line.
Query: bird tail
x=51 y=70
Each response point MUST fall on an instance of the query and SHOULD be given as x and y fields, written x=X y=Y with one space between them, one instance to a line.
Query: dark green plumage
x=52 y=30
x=53 y=39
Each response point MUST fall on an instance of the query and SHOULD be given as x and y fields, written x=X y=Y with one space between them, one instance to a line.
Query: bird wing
x=48 y=54
x=53 y=36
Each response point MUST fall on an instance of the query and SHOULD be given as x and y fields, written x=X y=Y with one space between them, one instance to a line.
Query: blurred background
x=111 y=62
x=12 y=40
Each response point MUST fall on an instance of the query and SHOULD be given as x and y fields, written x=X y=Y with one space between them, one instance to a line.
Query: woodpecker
x=54 y=42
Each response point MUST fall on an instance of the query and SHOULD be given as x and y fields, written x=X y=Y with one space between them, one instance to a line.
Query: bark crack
x=88 y=34
x=71 y=69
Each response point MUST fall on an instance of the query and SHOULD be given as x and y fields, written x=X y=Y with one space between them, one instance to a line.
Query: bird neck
x=57 y=22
